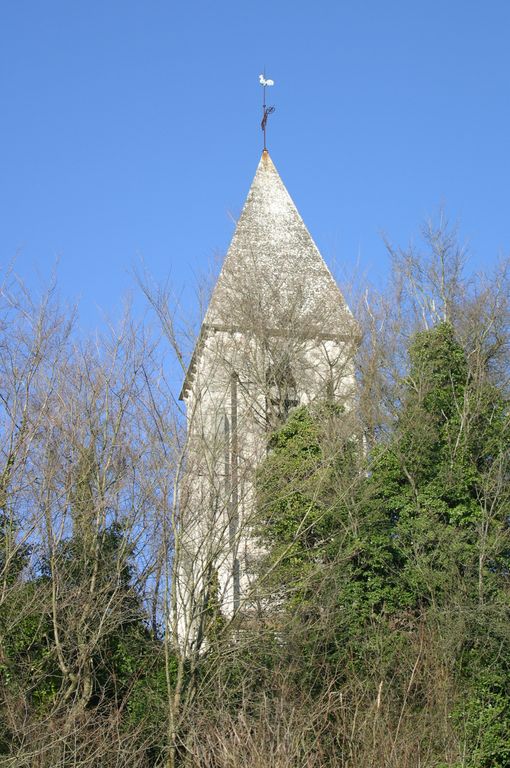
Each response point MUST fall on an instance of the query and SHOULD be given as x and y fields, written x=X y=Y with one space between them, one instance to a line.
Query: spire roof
x=274 y=278
x=273 y=267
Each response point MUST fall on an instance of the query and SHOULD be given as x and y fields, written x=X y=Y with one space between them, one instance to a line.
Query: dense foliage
x=414 y=564
x=377 y=631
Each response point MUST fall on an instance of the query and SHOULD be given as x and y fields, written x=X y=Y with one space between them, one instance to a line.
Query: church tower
x=277 y=334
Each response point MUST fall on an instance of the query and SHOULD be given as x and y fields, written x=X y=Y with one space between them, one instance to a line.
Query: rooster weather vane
x=266 y=111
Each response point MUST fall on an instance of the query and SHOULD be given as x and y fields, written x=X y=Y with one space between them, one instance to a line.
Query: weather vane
x=266 y=111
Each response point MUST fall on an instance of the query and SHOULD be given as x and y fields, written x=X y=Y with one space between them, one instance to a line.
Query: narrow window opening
x=282 y=393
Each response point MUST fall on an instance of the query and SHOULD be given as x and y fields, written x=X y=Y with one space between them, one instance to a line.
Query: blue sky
x=131 y=130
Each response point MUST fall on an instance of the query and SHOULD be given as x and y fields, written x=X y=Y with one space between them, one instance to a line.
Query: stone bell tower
x=277 y=334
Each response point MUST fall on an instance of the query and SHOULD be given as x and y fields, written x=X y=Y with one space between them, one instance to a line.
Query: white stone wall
x=321 y=368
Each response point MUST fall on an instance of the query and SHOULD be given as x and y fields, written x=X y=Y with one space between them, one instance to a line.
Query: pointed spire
x=274 y=279
x=273 y=266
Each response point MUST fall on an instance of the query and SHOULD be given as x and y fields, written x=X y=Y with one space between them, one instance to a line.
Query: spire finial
x=266 y=111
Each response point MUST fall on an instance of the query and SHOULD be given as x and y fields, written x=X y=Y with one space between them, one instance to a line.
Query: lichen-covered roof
x=272 y=256
x=273 y=275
